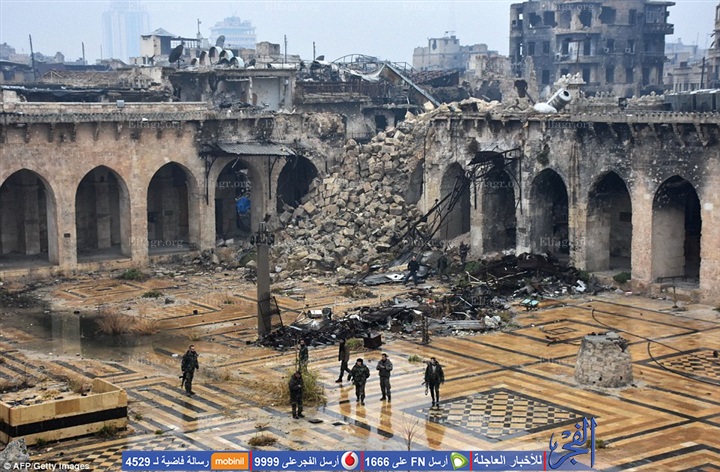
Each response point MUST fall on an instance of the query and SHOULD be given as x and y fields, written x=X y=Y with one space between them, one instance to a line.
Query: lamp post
x=262 y=240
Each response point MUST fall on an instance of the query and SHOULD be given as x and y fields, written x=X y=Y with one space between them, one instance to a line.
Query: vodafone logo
x=350 y=461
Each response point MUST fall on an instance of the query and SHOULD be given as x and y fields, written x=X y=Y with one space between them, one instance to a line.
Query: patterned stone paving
x=508 y=390
x=501 y=414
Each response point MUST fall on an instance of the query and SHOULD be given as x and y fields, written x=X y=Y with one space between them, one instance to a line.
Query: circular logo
x=350 y=461
x=7 y=466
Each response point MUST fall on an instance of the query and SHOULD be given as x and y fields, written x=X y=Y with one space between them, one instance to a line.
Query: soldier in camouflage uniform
x=359 y=375
x=296 y=395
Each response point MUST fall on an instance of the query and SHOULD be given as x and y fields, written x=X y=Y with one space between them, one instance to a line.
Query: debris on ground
x=481 y=300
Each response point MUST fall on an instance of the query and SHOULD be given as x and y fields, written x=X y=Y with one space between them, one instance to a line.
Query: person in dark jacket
x=359 y=375
x=413 y=267
x=296 y=394
x=434 y=376
x=344 y=358
x=385 y=367
x=189 y=365
x=303 y=355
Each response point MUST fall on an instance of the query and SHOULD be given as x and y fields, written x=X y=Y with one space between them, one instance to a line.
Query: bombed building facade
x=92 y=185
x=616 y=47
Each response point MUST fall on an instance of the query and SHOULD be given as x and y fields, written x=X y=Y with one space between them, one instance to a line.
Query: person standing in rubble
x=413 y=267
x=434 y=376
x=463 y=251
x=303 y=356
x=385 y=367
x=296 y=394
x=344 y=358
x=359 y=375
x=189 y=364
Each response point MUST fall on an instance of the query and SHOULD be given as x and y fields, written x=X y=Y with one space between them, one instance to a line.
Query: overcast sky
x=387 y=29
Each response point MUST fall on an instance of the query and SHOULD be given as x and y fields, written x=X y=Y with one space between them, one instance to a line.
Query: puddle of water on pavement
x=71 y=334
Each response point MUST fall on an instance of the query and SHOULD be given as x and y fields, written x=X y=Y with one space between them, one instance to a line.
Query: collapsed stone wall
x=350 y=218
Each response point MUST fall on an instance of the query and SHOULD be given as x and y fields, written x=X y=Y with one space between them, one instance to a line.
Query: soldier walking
x=359 y=375
x=296 y=394
x=189 y=365
x=344 y=358
x=385 y=367
x=303 y=356
x=434 y=376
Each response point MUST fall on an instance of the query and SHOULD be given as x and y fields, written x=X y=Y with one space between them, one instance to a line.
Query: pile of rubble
x=350 y=217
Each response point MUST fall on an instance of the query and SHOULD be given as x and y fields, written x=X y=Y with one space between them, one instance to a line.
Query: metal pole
x=262 y=241
x=32 y=59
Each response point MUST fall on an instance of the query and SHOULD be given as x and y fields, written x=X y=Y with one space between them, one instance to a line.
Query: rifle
x=182 y=382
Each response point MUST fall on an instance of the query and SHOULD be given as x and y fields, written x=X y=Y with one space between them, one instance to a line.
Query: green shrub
x=621 y=277
x=505 y=316
x=132 y=274
x=584 y=276
x=40 y=442
x=599 y=444
x=278 y=391
x=473 y=267
x=108 y=431
x=415 y=359
x=247 y=257
x=152 y=294
x=354 y=344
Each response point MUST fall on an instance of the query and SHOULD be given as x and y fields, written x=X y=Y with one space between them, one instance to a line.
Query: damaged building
x=91 y=185
x=616 y=47
x=350 y=160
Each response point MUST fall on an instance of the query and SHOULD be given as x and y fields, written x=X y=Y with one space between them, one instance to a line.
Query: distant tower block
x=604 y=361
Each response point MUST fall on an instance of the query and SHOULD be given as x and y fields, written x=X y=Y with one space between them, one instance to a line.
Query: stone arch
x=498 y=211
x=170 y=210
x=414 y=190
x=549 y=214
x=102 y=214
x=294 y=181
x=609 y=224
x=28 y=220
x=676 y=231
x=233 y=183
x=455 y=210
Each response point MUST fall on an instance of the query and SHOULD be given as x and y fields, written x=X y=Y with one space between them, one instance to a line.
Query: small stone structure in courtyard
x=604 y=361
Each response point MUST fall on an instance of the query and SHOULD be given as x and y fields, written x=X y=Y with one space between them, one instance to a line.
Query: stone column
x=710 y=236
x=66 y=230
x=137 y=245
x=642 y=219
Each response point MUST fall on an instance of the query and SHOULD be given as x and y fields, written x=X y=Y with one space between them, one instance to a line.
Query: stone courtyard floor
x=506 y=390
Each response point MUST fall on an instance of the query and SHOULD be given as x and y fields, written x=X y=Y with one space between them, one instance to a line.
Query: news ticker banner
x=351 y=460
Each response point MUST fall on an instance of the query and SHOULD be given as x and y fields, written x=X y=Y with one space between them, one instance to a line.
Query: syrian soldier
x=385 y=367
x=303 y=355
x=296 y=394
x=189 y=365
x=359 y=375
x=344 y=358
x=434 y=376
